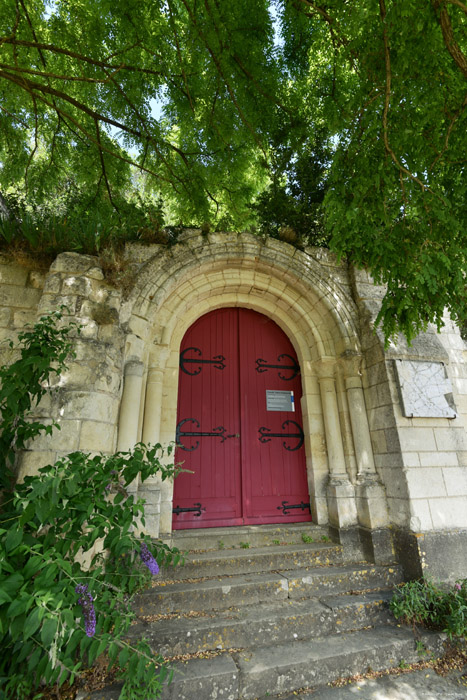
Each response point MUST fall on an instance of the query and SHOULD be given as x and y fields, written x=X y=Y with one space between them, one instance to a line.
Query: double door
x=239 y=424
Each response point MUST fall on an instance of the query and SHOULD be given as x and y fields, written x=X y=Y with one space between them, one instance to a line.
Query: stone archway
x=310 y=300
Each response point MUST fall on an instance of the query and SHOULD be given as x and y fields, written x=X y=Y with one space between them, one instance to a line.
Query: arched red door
x=239 y=424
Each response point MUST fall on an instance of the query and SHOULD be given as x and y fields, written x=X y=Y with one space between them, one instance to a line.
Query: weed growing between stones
x=423 y=602
x=71 y=556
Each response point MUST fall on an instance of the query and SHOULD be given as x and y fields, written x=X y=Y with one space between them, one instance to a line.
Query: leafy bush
x=422 y=602
x=71 y=556
x=43 y=352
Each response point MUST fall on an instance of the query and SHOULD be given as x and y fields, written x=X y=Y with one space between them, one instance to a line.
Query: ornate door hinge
x=196 y=511
x=285 y=507
x=262 y=366
x=266 y=435
x=218 y=361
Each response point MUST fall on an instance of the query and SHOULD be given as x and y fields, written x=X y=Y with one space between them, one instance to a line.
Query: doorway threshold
x=246 y=536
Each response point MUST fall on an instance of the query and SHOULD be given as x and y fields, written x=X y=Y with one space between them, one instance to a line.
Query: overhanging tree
x=203 y=96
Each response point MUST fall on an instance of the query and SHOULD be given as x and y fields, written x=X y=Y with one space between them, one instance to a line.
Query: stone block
x=20 y=297
x=13 y=274
x=421 y=515
x=455 y=479
x=52 y=302
x=21 y=319
x=5 y=315
x=80 y=286
x=97 y=437
x=63 y=439
x=36 y=279
x=438 y=459
x=412 y=459
x=451 y=438
x=381 y=418
x=90 y=406
x=29 y=463
x=425 y=482
x=73 y=263
x=53 y=283
x=414 y=439
x=449 y=512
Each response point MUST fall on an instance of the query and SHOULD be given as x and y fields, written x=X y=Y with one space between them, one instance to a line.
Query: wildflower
x=458 y=586
x=85 y=600
x=148 y=559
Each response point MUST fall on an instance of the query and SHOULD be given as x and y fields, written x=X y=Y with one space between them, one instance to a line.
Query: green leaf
x=48 y=631
x=32 y=623
x=13 y=539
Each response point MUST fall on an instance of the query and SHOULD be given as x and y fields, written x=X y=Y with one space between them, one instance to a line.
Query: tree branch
x=73 y=54
x=448 y=34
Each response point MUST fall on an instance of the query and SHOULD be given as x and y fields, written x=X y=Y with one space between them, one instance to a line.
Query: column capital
x=351 y=365
x=325 y=368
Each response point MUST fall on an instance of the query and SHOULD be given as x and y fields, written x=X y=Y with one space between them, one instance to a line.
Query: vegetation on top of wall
x=202 y=104
x=71 y=556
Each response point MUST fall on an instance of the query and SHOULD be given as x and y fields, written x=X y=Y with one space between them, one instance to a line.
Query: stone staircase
x=270 y=614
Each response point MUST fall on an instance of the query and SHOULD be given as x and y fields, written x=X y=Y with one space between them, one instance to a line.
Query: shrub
x=422 y=602
x=42 y=353
x=71 y=556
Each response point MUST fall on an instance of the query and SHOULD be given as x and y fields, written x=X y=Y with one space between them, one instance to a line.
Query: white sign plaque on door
x=279 y=400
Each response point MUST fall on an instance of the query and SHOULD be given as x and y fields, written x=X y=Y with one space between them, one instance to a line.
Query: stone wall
x=382 y=480
x=85 y=399
x=422 y=460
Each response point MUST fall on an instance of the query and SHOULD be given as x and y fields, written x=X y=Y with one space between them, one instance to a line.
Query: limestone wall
x=20 y=292
x=422 y=460
x=122 y=385
x=85 y=400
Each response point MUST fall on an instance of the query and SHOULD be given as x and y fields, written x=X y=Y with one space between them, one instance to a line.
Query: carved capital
x=325 y=368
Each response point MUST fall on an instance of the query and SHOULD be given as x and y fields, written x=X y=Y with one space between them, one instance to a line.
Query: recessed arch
x=306 y=299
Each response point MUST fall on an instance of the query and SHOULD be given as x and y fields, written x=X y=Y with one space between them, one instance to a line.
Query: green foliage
x=245 y=545
x=294 y=198
x=82 y=224
x=76 y=508
x=69 y=545
x=208 y=107
x=43 y=353
x=422 y=602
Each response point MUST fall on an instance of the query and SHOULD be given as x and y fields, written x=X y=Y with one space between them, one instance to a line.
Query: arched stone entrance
x=311 y=302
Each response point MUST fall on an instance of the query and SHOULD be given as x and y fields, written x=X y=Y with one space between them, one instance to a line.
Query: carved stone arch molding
x=307 y=294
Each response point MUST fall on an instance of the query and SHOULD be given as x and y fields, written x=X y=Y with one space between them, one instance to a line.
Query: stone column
x=150 y=490
x=130 y=405
x=340 y=492
x=371 y=501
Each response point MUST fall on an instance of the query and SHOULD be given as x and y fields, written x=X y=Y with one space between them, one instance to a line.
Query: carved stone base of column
x=377 y=545
x=349 y=538
x=151 y=493
x=341 y=503
x=371 y=503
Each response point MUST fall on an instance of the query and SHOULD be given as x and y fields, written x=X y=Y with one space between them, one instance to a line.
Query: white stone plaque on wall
x=425 y=390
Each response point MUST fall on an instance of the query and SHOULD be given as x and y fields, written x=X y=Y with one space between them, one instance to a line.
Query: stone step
x=242 y=561
x=252 y=535
x=250 y=589
x=277 y=622
x=266 y=671
x=262 y=672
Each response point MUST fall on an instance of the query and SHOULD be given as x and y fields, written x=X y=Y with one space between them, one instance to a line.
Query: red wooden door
x=239 y=424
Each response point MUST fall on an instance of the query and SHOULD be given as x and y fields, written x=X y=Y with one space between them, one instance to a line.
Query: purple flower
x=458 y=586
x=85 y=600
x=148 y=559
